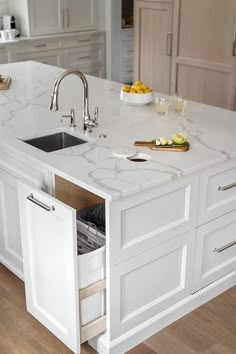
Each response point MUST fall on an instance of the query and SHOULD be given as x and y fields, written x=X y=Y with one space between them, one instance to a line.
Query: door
x=48 y=229
x=79 y=15
x=46 y=17
x=205 y=64
x=10 y=238
x=153 y=44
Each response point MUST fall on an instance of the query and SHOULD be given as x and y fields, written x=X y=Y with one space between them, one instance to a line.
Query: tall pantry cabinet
x=191 y=51
x=153 y=43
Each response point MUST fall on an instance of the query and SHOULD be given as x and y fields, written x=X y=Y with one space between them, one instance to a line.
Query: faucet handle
x=96 y=116
x=71 y=115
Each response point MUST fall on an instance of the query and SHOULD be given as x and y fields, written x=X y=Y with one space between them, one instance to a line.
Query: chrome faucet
x=88 y=122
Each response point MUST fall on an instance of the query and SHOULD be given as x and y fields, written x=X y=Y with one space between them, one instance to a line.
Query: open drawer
x=64 y=291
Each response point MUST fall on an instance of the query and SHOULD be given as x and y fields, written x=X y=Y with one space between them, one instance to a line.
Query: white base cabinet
x=10 y=238
x=11 y=171
x=159 y=264
x=84 y=51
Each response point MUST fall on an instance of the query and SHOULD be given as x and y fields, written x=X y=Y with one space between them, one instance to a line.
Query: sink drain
x=139 y=158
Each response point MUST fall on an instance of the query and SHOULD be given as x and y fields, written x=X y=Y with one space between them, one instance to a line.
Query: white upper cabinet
x=45 y=16
x=55 y=16
x=79 y=14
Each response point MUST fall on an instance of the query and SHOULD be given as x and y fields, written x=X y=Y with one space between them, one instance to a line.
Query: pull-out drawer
x=215 y=253
x=217 y=191
x=86 y=56
x=50 y=58
x=54 y=271
x=37 y=46
x=83 y=39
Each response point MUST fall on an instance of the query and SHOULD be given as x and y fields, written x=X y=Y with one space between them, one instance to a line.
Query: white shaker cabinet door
x=50 y=263
x=46 y=17
x=78 y=15
x=10 y=239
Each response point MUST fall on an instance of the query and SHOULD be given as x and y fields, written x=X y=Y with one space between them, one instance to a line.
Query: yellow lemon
x=140 y=91
x=147 y=90
x=138 y=83
x=125 y=88
x=132 y=90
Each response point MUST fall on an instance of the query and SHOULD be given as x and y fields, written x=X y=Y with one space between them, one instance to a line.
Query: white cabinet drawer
x=215 y=254
x=148 y=284
x=127 y=34
x=155 y=216
x=128 y=50
x=54 y=272
x=54 y=58
x=83 y=39
x=37 y=46
x=4 y=55
x=217 y=191
x=97 y=71
x=128 y=71
x=86 y=56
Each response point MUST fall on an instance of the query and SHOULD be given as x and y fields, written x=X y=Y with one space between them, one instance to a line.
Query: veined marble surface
x=24 y=114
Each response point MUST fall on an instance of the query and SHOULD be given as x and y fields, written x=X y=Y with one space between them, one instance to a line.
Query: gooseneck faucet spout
x=87 y=121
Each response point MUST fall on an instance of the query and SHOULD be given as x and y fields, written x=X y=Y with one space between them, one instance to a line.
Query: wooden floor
x=211 y=329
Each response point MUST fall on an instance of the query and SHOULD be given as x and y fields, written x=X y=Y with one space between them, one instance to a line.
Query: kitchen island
x=170 y=220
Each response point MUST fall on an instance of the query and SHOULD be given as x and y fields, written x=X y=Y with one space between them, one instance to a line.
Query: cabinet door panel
x=148 y=284
x=205 y=65
x=152 y=51
x=79 y=14
x=45 y=16
x=10 y=238
x=50 y=263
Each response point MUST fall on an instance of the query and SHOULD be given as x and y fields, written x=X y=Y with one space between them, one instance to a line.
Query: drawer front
x=86 y=56
x=127 y=34
x=128 y=71
x=148 y=284
x=83 y=39
x=142 y=221
x=128 y=50
x=97 y=71
x=217 y=192
x=50 y=58
x=4 y=55
x=37 y=46
x=215 y=254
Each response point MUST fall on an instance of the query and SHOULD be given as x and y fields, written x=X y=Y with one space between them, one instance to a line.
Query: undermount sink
x=54 y=142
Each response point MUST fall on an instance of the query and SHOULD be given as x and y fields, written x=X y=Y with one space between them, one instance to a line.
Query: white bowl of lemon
x=137 y=94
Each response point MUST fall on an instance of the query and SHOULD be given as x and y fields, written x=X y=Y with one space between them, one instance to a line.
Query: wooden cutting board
x=5 y=83
x=152 y=145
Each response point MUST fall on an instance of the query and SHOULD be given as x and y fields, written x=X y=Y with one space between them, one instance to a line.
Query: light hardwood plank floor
x=211 y=329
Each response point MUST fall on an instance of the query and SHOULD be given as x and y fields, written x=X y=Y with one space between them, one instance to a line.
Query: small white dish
x=136 y=99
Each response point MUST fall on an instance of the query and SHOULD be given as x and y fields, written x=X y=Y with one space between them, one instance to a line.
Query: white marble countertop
x=24 y=113
x=57 y=36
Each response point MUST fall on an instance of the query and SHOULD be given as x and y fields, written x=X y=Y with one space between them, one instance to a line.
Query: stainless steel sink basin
x=55 y=141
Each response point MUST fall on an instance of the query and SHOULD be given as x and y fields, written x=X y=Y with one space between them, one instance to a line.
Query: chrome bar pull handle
x=221 y=249
x=32 y=199
x=234 y=43
x=67 y=11
x=225 y=188
x=169 y=44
